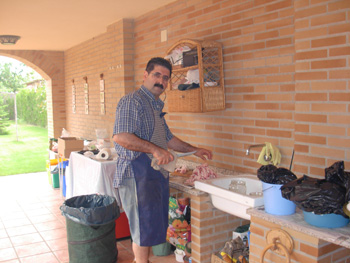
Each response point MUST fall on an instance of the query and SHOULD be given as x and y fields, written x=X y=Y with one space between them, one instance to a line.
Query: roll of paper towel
x=104 y=154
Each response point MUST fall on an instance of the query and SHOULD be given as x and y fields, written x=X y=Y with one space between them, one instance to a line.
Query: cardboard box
x=67 y=145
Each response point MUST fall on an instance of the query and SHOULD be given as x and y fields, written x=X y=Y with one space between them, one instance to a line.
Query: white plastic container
x=179 y=255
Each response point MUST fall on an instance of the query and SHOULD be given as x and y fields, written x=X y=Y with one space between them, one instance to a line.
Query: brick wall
x=306 y=248
x=286 y=66
x=110 y=54
x=321 y=84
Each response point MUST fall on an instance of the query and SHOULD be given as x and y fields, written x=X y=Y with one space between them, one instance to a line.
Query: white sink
x=232 y=202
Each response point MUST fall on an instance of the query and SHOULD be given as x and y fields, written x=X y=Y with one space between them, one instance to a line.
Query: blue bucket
x=274 y=203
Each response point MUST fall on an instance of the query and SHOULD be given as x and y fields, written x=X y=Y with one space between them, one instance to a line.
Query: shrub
x=31 y=106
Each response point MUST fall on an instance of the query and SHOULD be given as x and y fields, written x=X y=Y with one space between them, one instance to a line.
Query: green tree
x=13 y=78
x=4 y=120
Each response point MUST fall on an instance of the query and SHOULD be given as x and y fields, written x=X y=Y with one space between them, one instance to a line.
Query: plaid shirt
x=135 y=114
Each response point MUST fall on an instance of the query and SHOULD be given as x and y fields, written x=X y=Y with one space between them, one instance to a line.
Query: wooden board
x=187 y=174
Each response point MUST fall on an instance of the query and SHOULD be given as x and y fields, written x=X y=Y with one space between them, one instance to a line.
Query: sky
x=18 y=64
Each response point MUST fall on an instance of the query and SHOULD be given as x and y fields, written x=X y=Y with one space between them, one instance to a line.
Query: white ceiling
x=62 y=24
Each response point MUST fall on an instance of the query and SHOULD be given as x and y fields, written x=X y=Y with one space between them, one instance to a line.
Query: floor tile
x=58 y=244
x=54 y=234
x=47 y=258
x=38 y=212
x=50 y=225
x=29 y=200
x=3 y=233
x=63 y=255
x=42 y=218
x=16 y=222
x=7 y=254
x=26 y=239
x=20 y=230
x=32 y=249
x=35 y=206
x=11 y=261
x=13 y=215
x=5 y=243
x=125 y=256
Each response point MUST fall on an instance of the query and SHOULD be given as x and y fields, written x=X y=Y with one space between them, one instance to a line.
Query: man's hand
x=204 y=154
x=163 y=156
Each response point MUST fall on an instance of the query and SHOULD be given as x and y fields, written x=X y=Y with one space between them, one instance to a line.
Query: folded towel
x=268 y=150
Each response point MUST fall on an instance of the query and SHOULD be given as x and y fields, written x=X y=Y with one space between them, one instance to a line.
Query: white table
x=89 y=176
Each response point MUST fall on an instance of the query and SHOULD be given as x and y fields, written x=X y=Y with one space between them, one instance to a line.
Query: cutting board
x=187 y=174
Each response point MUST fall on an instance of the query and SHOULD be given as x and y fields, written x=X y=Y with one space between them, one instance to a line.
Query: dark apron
x=153 y=201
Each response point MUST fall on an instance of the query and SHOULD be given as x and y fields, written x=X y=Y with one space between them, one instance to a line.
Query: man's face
x=157 y=80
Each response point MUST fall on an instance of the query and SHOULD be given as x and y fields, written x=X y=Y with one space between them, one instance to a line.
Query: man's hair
x=158 y=61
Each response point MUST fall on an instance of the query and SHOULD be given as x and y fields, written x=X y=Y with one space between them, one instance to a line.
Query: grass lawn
x=28 y=154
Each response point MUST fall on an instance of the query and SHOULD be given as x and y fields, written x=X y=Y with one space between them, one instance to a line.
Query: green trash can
x=163 y=249
x=90 y=223
x=55 y=178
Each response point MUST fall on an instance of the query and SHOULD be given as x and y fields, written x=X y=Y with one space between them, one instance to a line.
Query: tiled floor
x=32 y=229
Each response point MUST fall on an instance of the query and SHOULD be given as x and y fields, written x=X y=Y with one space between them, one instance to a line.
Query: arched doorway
x=50 y=65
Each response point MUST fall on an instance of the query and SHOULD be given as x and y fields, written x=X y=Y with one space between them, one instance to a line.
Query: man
x=140 y=134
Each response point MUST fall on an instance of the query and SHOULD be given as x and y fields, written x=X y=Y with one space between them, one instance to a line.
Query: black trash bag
x=315 y=195
x=336 y=174
x=272 y=175
x=91 y=210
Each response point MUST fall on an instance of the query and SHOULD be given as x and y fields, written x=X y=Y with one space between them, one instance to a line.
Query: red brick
x=311 y=97
x=341 y=51
x=309 y=12
x=330 y=63
x=311 y=54
x=330 y=41
x=311 y=33
x=328 y=19
x=310 y=75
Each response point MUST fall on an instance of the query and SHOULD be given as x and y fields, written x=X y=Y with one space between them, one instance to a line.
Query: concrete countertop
x=339 y=236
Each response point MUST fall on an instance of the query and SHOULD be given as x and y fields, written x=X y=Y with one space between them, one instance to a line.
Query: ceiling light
x=8 y=39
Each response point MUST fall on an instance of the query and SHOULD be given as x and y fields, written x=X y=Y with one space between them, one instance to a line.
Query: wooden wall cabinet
x=210 y=96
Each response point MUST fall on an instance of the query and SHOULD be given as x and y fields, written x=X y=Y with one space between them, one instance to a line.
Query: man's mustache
x=159 y=85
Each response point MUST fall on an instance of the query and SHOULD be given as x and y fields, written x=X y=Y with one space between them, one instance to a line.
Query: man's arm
x=181 y=146
x=133 y=143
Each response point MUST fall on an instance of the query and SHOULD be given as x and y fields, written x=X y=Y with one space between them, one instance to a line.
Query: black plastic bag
x=315 y=195
x=91 y=210
x=272 y=175
x=336 y=174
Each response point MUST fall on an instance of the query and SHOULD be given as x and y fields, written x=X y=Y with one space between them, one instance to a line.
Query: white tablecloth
x=88 y=176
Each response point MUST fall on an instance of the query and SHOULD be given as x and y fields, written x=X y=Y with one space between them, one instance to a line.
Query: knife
x=184 y=154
